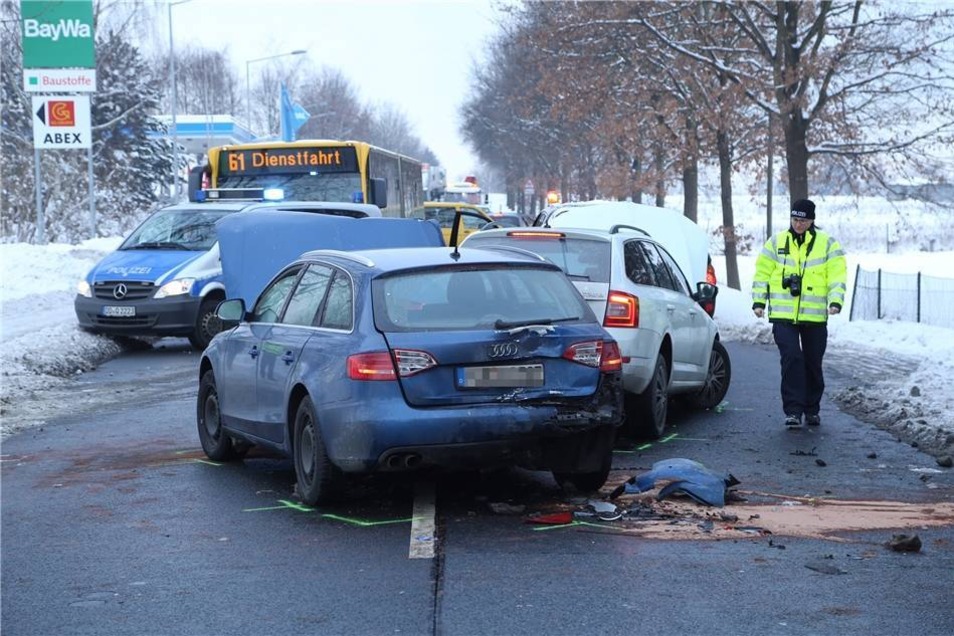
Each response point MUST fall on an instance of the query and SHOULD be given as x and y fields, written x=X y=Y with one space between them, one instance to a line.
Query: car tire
x=648 y=411
x=216 y=443
x=319 y=480
x=717 y=380
x=207 y=323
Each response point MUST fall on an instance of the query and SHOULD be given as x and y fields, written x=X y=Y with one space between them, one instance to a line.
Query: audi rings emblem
x=503 y=350
x=120 y=291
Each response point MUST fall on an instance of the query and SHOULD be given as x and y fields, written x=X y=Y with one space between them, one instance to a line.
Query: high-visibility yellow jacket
x=818 y=260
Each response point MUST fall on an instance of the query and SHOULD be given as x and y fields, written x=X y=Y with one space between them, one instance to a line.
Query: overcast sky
x=417 y=55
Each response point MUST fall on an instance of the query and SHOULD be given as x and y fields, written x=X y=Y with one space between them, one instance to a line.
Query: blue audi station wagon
x=356 y=362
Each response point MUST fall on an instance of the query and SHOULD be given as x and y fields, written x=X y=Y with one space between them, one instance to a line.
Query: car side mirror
x=379 y=192
x=231 y=312
x=705 y=292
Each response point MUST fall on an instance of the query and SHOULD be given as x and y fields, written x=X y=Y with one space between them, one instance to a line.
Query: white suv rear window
x=581 y=259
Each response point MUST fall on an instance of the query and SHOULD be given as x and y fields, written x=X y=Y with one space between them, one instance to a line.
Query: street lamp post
x=175 y=98
x=248 y=83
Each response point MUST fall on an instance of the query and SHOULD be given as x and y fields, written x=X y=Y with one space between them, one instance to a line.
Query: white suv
x=668 y=342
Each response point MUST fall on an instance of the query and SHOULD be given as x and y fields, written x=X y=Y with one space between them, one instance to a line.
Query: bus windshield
x=336 y=188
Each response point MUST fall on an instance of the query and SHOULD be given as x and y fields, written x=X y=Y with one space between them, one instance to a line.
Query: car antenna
x=455 y=235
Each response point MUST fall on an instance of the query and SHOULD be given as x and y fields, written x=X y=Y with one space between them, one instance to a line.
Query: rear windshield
x=487 y=298
x=581 y=259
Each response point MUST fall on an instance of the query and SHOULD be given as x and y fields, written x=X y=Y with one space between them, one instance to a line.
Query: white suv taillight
x=622 y=310
x=379 y=365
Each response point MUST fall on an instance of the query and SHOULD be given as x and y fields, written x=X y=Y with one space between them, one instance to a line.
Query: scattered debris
x=821 y=462
x=872 y=455
x=825 y=568
x=946 y=461
x=801 y=453
x=502 y=508
x=772 y=544
x=905 y=543
x=685 y=477
x=555 y=519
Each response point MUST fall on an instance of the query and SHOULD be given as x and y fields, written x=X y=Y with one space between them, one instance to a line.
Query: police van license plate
x=515 y=376
x=114 y=311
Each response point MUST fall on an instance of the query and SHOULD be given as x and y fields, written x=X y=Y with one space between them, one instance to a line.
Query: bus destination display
x=296 y=160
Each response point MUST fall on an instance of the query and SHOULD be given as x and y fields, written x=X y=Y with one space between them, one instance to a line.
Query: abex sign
x=57 y=34
x=61 y=122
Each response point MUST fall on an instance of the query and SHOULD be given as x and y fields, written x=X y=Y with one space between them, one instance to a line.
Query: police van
x=165 y=279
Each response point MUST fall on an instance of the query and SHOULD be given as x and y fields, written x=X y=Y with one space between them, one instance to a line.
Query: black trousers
x=802 y=347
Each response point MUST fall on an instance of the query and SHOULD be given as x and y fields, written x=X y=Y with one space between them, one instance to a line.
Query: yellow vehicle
x=313 y=170
x=469 y=218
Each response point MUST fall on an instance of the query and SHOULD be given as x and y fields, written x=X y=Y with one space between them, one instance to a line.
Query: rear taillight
x=710 y=274
x=380 y=365
x=596 y=353
x=611 y=360
x=588 y=353
x=622 y=310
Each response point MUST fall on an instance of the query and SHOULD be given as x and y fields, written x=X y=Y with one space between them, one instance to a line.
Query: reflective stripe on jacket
x=820 y=262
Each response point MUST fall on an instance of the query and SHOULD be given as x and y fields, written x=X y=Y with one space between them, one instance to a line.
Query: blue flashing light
x=201 y=196
x=357 y=197
x=274 y=194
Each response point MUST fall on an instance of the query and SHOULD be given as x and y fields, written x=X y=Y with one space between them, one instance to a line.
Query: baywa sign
x=57 y=34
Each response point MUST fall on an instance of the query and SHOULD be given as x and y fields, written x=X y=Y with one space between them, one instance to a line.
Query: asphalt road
x=114 y=523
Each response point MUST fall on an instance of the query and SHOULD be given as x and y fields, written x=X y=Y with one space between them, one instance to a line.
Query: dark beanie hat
x=804 y=209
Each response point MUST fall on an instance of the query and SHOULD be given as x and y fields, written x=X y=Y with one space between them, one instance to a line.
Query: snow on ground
x=904 y=371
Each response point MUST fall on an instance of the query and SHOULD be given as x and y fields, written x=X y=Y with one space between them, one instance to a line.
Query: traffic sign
x=57 y=34
x=528 y=188
x=61 y=122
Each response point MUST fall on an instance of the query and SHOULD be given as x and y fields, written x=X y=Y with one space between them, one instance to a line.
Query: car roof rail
x=357 y=258
x=511 y=248
x=616 y=228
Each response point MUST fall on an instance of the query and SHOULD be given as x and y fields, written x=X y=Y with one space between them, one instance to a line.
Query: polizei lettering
x=54 y=31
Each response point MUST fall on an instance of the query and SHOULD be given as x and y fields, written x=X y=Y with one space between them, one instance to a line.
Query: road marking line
x=422 y=523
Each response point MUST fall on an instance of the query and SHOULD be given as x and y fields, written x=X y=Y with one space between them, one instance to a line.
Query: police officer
x=801 y=276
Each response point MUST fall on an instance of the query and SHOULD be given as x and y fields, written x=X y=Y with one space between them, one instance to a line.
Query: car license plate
x=515 y=376
x=123 y=311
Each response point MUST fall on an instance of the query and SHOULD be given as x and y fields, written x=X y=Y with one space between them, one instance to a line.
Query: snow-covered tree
x=131 y=156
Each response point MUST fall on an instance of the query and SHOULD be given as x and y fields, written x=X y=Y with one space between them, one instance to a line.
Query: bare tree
x=839 y=77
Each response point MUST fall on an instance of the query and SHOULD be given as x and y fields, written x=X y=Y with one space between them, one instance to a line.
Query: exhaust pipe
x=412 y=461
x=394 y=461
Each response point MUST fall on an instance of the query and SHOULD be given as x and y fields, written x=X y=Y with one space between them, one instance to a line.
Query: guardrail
x=880 y=295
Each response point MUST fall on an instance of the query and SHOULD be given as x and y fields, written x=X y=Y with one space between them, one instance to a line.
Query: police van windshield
x=182 y=229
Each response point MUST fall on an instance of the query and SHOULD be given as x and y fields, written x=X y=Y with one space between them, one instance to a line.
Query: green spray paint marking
x=569 y=525
x=285 y=504
x=669 y=438
x=292 y=505
x=367 y=524
x=205 y=461
x=724 y=406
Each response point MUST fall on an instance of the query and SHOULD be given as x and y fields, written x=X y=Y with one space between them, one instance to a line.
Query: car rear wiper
x=158 y=245
x=517 y=325
x=578 y=276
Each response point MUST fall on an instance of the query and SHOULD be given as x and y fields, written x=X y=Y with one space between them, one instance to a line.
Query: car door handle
x=670 y=308
x=254 y=351
x=288 y=357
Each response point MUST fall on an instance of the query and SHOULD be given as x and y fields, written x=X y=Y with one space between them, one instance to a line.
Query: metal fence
x=880 y=295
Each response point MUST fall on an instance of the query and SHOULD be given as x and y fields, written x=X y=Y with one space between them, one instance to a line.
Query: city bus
x=312 y=170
